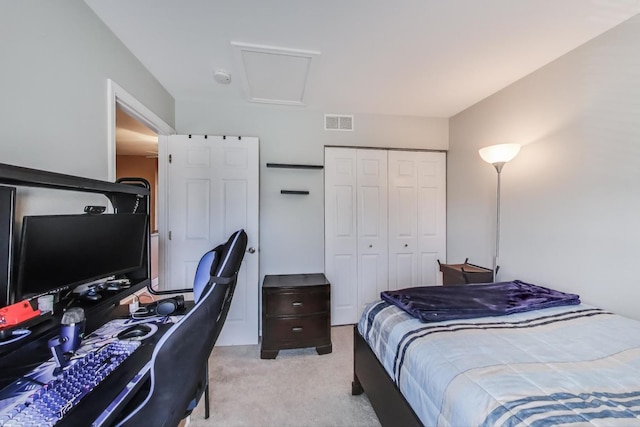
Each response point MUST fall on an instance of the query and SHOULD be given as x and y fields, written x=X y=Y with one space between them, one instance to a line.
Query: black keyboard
x=50 y=402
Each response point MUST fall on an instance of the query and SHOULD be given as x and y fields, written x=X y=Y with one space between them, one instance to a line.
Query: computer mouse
x=91 y=296
x=134 y=331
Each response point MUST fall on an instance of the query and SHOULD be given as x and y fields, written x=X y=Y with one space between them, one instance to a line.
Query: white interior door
x=372 y=225
x=341 y=234
x=212 y=191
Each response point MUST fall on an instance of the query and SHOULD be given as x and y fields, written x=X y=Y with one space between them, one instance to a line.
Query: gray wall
x=571 y=199
x=292 y=227
x=56 y=59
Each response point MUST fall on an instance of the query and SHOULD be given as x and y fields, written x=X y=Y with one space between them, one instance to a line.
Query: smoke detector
x=222 y=77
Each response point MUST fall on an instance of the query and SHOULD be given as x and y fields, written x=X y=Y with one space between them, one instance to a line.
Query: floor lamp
x=498 y=156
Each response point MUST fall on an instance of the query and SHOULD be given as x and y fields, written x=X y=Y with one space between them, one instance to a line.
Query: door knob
x=251 y=250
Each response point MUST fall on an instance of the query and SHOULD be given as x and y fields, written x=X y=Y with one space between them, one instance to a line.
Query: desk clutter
x=45 y=394
x=69 y=274
x=123 y=372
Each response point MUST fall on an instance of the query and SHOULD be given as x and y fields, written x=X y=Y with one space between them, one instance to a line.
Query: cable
x=18 y=334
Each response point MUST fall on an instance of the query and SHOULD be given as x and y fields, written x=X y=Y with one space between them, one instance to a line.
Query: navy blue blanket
x=437 y=303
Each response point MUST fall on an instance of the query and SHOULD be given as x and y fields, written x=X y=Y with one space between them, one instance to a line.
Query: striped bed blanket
x=573 y=365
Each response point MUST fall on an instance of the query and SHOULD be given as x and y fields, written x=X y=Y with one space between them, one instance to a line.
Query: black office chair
x=213 y=263
x=179 y=361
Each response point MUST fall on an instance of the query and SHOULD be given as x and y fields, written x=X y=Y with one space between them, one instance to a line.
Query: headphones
x=163 y=307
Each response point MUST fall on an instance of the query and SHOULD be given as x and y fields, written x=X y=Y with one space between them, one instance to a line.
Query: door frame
x=117 y=96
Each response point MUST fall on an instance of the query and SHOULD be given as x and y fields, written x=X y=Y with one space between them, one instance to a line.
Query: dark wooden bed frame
x=370 y=377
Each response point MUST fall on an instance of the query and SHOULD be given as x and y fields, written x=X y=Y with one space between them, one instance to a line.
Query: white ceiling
x=430 y=58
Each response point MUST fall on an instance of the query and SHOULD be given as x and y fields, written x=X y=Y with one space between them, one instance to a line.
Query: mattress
x=571 y=365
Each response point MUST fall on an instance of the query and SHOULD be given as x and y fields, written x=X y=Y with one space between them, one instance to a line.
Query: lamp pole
x=498 y=166
x=498 y=156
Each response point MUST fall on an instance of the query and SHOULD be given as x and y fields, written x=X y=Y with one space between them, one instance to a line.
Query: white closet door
x=403 y=219
x=432 y=216
x=341 y=234
x=417 y=222
x=372 y=225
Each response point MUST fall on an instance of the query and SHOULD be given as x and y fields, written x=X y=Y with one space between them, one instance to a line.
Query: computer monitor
x=69 y=250
x=7 y=216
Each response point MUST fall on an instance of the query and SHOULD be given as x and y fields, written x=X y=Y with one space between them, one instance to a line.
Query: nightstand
x=296 y=313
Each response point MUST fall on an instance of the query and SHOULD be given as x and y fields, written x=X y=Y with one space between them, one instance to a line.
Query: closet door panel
x=341 y=234
x=427 y=273
x=403 y=227
x=372 y=225
x=431 y=216
x=404 y=271
x=369 y=279
x=343 y=300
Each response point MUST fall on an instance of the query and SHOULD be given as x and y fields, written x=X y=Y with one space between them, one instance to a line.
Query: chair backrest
x=206 y=268
x=225 y=267
x=180 y=357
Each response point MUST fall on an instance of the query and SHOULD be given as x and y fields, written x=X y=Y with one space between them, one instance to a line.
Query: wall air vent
x=338 y=122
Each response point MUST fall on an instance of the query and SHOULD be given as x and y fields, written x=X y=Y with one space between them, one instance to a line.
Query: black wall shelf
x=301 y=192
x=293 y=166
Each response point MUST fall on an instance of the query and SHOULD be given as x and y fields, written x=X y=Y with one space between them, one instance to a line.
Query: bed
x=562 y=365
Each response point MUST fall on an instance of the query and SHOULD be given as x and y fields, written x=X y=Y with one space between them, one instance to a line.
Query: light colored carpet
x=299 y=388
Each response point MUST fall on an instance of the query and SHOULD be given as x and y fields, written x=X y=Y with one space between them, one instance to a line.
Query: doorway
x=133 y=117
x=137 y=156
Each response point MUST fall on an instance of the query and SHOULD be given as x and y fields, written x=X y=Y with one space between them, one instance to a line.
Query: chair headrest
x=232 y=254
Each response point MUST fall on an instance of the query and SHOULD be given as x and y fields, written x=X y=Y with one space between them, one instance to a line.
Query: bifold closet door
x=356 y=243
x=341 y=234
x=417 y=217
x=372 y=226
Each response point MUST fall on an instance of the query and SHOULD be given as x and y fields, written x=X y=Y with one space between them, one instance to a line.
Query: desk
x=109 y=390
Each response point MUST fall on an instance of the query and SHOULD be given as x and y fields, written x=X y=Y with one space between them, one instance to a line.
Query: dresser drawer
x=293 y=332
x=285 y=303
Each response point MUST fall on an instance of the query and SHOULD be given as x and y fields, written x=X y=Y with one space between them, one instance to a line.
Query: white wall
x=571 y=199
x=292 y=226
x=56 y=59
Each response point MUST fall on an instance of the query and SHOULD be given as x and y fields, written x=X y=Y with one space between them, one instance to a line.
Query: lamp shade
x=501 y=153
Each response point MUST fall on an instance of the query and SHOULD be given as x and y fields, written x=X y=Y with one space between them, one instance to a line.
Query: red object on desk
x=17 y=313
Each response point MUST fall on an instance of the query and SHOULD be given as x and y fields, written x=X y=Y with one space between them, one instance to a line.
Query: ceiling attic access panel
x=274 y=75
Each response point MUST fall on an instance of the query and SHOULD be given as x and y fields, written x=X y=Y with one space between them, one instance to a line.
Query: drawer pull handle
x=296 y=304
x=298 y=329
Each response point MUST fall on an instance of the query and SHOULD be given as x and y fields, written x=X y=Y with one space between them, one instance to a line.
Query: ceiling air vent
x=338 y=122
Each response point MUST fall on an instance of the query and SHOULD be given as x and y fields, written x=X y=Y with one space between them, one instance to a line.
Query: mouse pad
x=19 y=391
